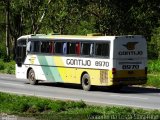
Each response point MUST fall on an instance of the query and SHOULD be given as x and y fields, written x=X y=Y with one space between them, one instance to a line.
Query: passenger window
x=45 y=47
x=73 y=48
x=78 y=49
x=51 y=47
x=60 y=47
x=102 y=49
x=64 y=48
x=34 y=46
x=87 y=49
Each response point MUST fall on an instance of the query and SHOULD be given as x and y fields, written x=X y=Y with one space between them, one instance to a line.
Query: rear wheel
x=31 y=77
x=86 y=84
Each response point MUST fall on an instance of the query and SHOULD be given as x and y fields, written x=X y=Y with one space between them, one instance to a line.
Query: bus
x=86 y=60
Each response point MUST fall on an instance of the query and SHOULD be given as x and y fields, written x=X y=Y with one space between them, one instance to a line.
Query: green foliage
x=154 y=66
x=80 y=17
x=153 y=80
x=2 y=67
x=57 y=106
x=72 y=105
x=153 y=73
x=21 y=107
x=154 y=44
x=7 y=67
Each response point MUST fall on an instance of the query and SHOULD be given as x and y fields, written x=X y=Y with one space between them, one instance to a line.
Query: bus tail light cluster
x=114 y=71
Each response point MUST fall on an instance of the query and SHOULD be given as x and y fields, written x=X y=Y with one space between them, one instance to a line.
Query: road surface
x=147 y=98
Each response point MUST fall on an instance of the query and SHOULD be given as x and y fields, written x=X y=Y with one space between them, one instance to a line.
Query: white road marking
x=9 y=77
x=12 y=84
x=125 y=96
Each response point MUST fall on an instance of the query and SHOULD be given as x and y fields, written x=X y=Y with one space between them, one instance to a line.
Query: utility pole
x=7 y=28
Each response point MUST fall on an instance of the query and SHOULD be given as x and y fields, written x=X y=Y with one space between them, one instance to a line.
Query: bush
x=153 y=66
x=72 y=104
x=57 y=106
x=21 y=107
x=7 y=67
x=42 y=105
x=153 y=80
x=154 y=45
x=2 y=65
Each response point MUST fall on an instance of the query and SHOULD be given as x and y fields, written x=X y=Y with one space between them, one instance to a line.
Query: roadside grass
x=153 y=73
x=153 y=80
x=47 y=109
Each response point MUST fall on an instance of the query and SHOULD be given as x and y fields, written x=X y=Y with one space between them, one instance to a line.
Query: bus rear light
x=113 y=70
x=145 y=70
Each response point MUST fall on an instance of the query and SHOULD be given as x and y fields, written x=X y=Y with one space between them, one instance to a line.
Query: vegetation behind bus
x=82 y=17
x=7 y=67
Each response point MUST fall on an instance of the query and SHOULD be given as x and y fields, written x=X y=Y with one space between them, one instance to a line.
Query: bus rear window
x=102 y=49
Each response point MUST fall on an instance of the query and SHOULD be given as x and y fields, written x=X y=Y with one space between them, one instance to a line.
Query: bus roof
x=74 y=37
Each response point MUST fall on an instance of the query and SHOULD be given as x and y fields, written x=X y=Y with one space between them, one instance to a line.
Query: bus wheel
x=31 y=77
x=85 y=82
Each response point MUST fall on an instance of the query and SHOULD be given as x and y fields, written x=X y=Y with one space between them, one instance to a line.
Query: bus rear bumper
x=130 y=81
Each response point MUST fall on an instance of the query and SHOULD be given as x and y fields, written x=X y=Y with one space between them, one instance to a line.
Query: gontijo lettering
x=78 y=62
x=130 y=53
x=81 y=62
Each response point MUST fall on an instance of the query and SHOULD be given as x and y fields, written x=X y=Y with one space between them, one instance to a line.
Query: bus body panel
x=20 y=72
x=67 y=69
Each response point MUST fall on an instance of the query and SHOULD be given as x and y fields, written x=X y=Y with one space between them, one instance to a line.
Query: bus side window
x=59 y=47
x=78 y=50
x=34 y=46
x=71 y=48
x=87 y=49
x=102 y=49
x=51 y=47
x=45 y=47
x=64 y=48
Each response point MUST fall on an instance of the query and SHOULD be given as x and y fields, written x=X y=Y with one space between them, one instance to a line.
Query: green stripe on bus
x=51 y=73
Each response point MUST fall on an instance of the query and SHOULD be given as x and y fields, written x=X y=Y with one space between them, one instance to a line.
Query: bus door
x=21 y=52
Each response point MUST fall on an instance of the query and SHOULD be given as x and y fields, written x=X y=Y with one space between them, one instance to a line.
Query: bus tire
x=31 y=77
x=85 y=82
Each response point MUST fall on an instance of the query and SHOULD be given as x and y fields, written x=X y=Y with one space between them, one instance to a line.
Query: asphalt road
x=147 y=98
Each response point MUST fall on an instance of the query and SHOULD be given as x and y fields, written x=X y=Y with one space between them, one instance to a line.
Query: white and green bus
x=86 y=60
